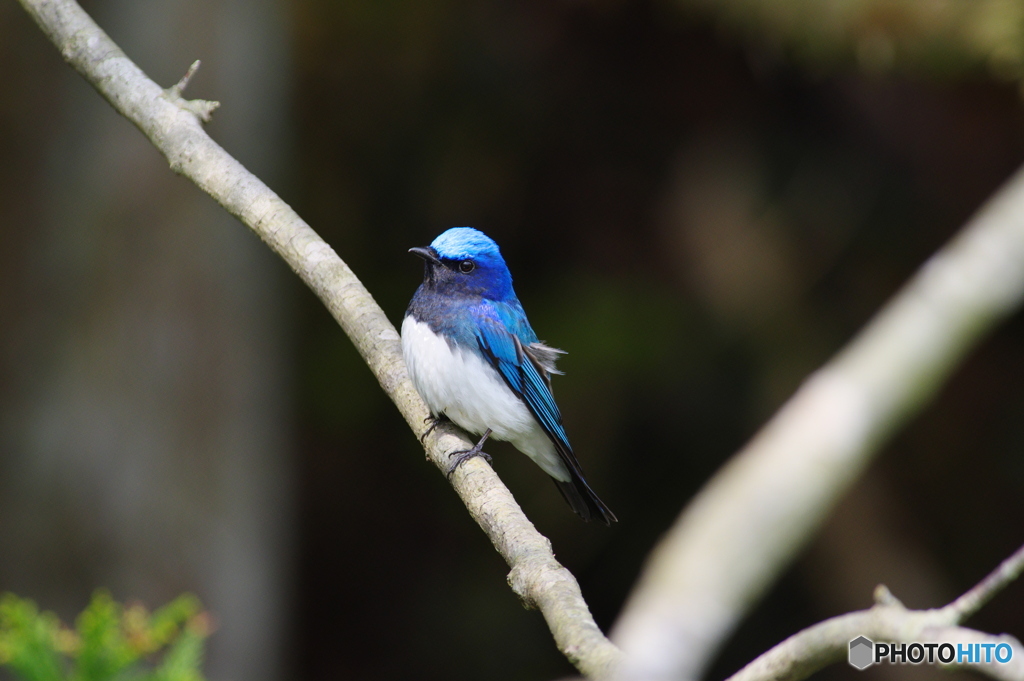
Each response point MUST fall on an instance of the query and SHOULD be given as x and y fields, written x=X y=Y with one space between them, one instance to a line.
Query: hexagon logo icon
x=862 y=651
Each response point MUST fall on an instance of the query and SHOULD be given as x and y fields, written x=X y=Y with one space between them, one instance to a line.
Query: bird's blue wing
x=504 y=336
x=506 y=341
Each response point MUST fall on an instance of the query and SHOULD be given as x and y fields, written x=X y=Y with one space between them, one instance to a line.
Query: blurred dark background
x=700 y=202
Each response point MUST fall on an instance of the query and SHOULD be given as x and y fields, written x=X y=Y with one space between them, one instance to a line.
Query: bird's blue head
x=465 y=260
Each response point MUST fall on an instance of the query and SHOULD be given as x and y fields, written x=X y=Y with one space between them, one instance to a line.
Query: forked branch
x=827 y=642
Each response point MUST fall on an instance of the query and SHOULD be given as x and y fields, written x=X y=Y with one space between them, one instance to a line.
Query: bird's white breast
x=458 y=382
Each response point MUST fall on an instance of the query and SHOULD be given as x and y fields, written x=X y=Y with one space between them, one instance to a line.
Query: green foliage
x=110 y=642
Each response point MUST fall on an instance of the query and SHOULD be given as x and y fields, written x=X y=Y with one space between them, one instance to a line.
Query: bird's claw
x=433 y=421
x=464 y=455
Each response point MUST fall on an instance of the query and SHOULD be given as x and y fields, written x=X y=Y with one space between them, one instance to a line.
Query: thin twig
x=180 y=86
x=974 y=599
x=202 y=108
x=172 y=124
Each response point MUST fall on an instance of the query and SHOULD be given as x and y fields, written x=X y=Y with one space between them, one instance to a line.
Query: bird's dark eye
x=467 y=266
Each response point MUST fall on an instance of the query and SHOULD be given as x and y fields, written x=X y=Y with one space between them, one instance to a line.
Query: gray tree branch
x=740 y=531
x=173 y=125
x=827 y=642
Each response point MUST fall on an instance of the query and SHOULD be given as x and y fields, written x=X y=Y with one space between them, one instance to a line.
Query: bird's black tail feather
x=583 y=500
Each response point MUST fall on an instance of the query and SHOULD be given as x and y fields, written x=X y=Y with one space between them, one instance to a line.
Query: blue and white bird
x=474 y=359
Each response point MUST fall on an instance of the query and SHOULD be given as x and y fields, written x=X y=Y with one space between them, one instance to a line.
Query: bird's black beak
x=427 y=253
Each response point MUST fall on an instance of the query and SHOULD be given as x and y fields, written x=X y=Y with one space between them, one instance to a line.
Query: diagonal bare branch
x=173 y=125
x=741 y=530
